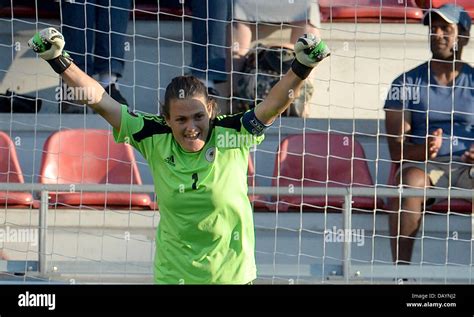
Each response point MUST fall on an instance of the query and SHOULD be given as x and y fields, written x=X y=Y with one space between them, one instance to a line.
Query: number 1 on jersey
x=195 y=178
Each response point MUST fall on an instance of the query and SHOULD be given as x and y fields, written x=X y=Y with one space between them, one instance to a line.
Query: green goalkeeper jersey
x=206 y=233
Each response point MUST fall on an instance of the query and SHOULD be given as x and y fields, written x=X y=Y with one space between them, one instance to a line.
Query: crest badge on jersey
x=211 y=154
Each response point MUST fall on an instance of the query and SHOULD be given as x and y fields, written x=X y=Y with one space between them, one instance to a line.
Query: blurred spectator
x=209 y=22
x=255 y=20
x=262 y=69
x=98 y=28
x=429 y=121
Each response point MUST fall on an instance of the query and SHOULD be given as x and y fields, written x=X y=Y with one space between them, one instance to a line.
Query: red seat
x=10 y=172
x=90 y=157
x=370 y=11
x=468 y=5
x=258 y=202
x=453 y=205
x=322 y=160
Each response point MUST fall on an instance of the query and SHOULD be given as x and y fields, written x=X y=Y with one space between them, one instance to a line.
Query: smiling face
x=189 y=121
x=443 y=38
x=188 y=110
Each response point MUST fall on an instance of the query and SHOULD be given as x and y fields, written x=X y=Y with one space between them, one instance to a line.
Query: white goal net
x=321 y=183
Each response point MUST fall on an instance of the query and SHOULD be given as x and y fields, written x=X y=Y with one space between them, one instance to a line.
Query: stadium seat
x=259 y=202
x=322 y=160
x=453 y=205
x=10 y=172
x=370 y=11
x=90 y=157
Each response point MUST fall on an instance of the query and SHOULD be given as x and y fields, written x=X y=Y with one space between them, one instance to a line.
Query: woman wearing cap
x=429 y=120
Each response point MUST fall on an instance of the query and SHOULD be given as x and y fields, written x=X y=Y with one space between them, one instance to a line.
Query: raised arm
x=309 y=51
x=49 y=45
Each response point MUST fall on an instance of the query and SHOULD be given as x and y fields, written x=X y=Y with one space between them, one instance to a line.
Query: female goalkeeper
x=198 y=162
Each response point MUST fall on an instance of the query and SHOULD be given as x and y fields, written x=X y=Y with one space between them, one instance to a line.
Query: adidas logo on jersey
x=170 y=160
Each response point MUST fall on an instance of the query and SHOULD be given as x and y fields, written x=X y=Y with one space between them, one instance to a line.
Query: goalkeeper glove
x=49 y=45
x=309 y=51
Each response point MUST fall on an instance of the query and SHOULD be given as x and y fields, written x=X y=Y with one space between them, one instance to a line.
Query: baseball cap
x=451 y=13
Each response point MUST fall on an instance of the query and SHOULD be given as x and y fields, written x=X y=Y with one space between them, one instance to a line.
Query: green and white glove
x=309 y=51
x=49 y=45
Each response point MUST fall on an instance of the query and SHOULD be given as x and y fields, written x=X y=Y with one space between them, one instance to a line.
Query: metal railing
x=346 y=192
